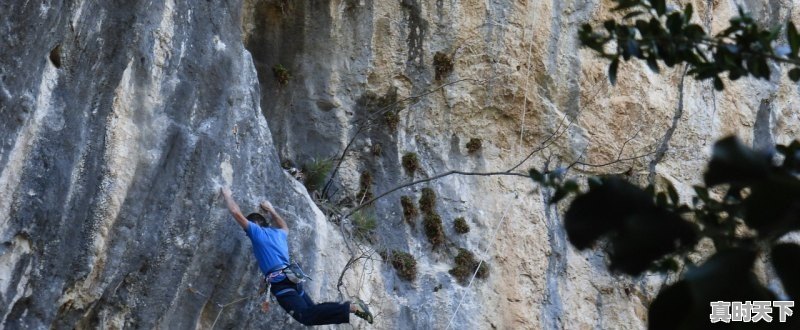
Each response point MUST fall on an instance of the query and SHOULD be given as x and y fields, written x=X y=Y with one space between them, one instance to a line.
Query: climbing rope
x=475 y=273
x=221 y=306
x=519 y=142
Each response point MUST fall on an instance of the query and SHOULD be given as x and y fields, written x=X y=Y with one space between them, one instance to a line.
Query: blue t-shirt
x=269 y=246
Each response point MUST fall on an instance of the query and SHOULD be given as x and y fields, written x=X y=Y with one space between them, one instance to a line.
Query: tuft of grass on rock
x=282 y=74
x=316 y=172
x=427 y=202
x=405 y=265
x=443 y=64
x=392 y=120
x=377 y=149
x=410 y=211
x=433 y=229
x=365 y=187
x=465 y=265
x=474 y=145
x=410 y=163
x=460 y=225
x=364 y=224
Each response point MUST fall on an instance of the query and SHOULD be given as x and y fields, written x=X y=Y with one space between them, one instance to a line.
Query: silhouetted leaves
x=640 y=232
x=740 y=50
x=726 y=276
x=732 y=162
x=612 y=71
x=794 y=38
x=785 y=258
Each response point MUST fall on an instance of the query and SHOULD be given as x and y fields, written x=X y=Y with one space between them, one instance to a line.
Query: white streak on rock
x=10 y=176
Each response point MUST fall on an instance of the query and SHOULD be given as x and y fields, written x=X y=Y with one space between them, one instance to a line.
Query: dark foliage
x=651 y=32
x=365 y=187
x=282 y=74
x=405 y=265
x=410 y=163
x=410 y=211
x=759 y=202
x=465 y=266
x=443 y=64
x=474 y=145
x=460 y=225
x=427 y=202
x=432 y=224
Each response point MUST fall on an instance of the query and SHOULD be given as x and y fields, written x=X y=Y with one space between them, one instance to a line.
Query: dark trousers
x=297 y=303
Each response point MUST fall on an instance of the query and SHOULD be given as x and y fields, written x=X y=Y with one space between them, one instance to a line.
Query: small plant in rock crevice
x=427 y=202
x=460 y=225
x=376 y=149
x=433 y=229
x=365 y=187
x=443 y=64
x=410 y=163
x=465 y=265
x=316 y=171
x=410 y=211
x=364 y=224
x=474 y=145
x=282 y=74
x=405 y=265
x=392 y=120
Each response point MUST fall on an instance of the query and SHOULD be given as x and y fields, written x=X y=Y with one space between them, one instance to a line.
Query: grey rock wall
x=120 y=120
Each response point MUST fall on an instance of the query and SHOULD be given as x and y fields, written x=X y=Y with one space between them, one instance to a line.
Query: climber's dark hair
x=258 y=219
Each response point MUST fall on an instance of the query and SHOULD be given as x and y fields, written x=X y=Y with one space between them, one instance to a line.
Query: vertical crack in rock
x=664 y=145
x=553 y=306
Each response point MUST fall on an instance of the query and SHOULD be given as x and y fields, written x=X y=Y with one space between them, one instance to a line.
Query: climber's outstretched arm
x=280 y=223
x=234 y=208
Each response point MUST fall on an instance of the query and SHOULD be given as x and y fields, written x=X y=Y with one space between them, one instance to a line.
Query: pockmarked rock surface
x=120 y=121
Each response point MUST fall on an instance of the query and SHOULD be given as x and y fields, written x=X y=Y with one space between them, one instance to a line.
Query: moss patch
x=433 y=229
x=410 y=211
x=405 y=265
x=410 y=163
x=460 y=225
x=465 y=264
x=474 y=145
x=427 y=202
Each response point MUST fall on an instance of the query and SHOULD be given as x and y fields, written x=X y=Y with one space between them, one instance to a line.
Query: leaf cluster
x=749 y=200
x=651 y=32
x=282 y=74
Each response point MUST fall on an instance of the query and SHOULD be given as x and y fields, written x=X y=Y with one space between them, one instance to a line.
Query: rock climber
x=272 y=253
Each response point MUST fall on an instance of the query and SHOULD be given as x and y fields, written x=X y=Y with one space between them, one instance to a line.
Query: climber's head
x=258 y=219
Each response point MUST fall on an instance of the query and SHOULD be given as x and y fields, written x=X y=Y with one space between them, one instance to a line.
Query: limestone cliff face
x=119 y=121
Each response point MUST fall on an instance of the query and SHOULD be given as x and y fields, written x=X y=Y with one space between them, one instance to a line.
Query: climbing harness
x=295 y=274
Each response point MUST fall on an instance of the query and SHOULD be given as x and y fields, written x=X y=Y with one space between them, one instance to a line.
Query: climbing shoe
x=362 y=311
